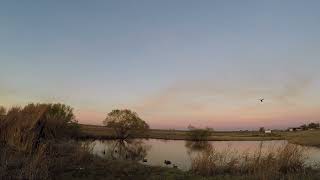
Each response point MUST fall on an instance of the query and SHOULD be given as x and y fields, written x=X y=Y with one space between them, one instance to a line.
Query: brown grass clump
x=2 y=111
x=25 y=128
x=30 y=140
x=213 y=162
x=47 y=161
x=270 y=163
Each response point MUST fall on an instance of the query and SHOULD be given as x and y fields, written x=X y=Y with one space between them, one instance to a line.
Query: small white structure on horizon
x=295 y=129
x=268 y=131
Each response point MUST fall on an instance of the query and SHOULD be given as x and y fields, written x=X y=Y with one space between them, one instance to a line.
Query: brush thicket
x=26 y=128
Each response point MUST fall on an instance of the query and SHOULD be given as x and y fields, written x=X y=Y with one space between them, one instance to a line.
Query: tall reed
x=263 y=163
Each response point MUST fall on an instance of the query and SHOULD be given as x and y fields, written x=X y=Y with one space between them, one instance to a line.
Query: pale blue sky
x=174 y=62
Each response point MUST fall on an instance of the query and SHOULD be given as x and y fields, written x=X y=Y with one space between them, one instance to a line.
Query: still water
x=180 y=152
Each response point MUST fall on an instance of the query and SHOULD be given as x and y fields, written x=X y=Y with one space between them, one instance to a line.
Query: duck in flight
x=261 y=100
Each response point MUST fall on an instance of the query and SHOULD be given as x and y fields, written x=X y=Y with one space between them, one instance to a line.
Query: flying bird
x=261 y=100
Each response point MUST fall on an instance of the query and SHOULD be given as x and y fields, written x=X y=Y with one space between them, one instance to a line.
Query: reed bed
x=265 y=163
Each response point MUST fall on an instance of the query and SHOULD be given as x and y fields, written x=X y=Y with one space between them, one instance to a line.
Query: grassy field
x=309 y=137
x=306 y=138
x=100 y=132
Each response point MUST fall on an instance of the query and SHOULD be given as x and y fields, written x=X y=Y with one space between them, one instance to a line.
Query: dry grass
x=26 y=128
x=265 y=163
x=307 y=138
x=48 y=160
x=29 y=140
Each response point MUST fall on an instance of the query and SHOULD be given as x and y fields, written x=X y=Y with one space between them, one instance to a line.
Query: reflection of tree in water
x=135 y=150
x=197 y=146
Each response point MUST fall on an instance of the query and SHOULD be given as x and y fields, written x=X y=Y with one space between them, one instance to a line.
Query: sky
x=175 y=63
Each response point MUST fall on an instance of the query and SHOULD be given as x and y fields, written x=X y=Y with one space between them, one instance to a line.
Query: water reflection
x=135 y=150
x=179 y=152
x=197 y=146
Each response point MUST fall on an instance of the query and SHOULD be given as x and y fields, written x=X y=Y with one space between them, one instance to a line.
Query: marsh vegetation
x=272 y=163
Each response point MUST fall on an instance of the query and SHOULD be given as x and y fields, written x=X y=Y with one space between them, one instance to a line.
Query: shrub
x=304 y=127
x=25 y=128
x=47 y=161
x=199 y=134
x=262 y=129
x=313 y=125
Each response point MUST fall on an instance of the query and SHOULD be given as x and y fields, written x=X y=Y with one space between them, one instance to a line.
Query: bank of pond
x=181 y=154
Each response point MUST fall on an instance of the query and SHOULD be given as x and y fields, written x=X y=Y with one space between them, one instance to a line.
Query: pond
x=179 y=152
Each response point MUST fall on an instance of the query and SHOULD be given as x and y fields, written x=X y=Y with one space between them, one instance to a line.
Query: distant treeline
x=309 y=126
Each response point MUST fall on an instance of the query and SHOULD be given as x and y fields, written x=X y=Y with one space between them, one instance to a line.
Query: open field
x=306 y=138
x=100 y=132
x=310 y=137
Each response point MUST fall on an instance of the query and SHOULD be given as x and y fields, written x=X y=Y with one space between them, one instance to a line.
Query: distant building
x=268 y=131
x=295 y=129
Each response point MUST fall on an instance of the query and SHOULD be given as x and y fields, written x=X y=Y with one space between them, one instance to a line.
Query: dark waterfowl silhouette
x=261 y=100
x=167 y=162
x=145 y=160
